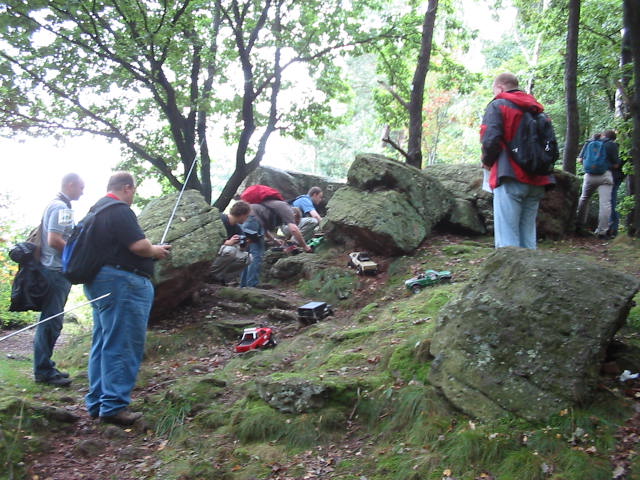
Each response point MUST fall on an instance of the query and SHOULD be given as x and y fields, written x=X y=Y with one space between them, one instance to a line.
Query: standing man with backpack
x=56 y=225
x=120 y=319
x=517 y=188
x=599 y=158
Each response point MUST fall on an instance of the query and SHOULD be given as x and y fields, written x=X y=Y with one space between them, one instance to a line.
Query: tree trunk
x=571 y=88
x=622 y=92
x=414 y=149
x=632 y=18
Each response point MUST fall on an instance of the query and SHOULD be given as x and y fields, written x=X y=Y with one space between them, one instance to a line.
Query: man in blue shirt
x=310 y=216
x=57 y=223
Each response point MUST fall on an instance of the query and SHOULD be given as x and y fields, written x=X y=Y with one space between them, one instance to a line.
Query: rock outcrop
x=195 y=235
x=472 y=209
x=293 y=395
x=557 y=213
x=388 y=207
x=528 y=334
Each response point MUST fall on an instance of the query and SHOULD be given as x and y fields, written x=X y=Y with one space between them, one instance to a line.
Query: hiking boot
x=124 y=417
x=55 y=380
x=62 y=374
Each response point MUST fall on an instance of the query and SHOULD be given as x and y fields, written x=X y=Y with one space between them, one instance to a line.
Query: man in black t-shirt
x=232 y=258
x=120 y=319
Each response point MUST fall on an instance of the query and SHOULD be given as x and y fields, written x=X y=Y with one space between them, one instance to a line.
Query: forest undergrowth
x=205 y=419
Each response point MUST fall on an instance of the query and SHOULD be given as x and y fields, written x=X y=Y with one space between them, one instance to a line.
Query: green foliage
x=535 y=54
x=154 y=76
x=11 y=446
x=8 y=268
x=522 y=464
x=331 y=284
x=258 y=422
x=336 y=148
x=407 y=364
x=634 y=314
x=172 y=420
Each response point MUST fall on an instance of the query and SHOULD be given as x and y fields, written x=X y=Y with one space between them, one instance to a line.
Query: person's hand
x=308 y=249
x=161 y=251
x=233 y=240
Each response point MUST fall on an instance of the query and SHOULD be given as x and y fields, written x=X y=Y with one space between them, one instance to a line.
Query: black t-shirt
x=231 y=229
x=117 y=228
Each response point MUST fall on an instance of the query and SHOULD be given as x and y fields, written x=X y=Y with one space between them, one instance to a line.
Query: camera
x=242 y=241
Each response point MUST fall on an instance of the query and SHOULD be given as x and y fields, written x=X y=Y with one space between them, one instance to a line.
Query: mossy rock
x=257 y=298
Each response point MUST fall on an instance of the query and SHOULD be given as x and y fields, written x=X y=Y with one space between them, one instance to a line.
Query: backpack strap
x=96 y=210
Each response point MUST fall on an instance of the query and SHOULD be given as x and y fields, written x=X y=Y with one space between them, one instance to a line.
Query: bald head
x=72 y=186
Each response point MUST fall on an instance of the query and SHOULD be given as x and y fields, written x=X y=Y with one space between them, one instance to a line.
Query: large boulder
x=371 y=173
x=290 y=266
x=557 y=213
x=195 y=235
x=528 y=334
x=388 y=207
x=472 y=210
x=383 y=222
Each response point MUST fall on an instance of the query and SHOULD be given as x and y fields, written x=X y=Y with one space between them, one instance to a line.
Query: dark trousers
x=47 y=333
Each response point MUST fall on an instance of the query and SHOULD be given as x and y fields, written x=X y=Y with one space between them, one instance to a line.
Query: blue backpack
x=595 y=158
x=81 y=259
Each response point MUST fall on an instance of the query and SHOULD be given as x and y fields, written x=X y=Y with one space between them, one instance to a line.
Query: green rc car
x=426 y=279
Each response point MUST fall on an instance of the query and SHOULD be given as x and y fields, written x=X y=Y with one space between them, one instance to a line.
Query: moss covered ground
x=382 y=419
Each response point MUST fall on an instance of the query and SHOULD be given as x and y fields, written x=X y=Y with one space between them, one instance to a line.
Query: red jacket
x=499 y=126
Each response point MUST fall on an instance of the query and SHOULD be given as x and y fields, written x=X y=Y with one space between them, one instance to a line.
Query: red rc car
x=257 y=337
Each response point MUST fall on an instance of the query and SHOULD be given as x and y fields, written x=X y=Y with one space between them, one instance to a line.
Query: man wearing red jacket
x=516 y=193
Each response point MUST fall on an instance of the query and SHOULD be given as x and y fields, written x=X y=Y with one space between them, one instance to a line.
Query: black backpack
x=81 y=258
x=534 y=146
x=30 y=288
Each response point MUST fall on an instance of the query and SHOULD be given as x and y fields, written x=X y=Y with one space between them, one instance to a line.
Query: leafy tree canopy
x=156 y=76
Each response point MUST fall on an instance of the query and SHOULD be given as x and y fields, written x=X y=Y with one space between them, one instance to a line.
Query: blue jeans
x=251 y=275
x=119 y=331
x=515 y=207
x=47 y=333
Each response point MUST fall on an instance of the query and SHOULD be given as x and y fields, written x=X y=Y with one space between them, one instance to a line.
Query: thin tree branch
x=395 y=95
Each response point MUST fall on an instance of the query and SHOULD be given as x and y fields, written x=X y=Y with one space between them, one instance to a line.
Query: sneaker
x=55 y=380
x=124 y=417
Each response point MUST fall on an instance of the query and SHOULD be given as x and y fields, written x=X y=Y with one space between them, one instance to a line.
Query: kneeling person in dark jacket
x=232 y=257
